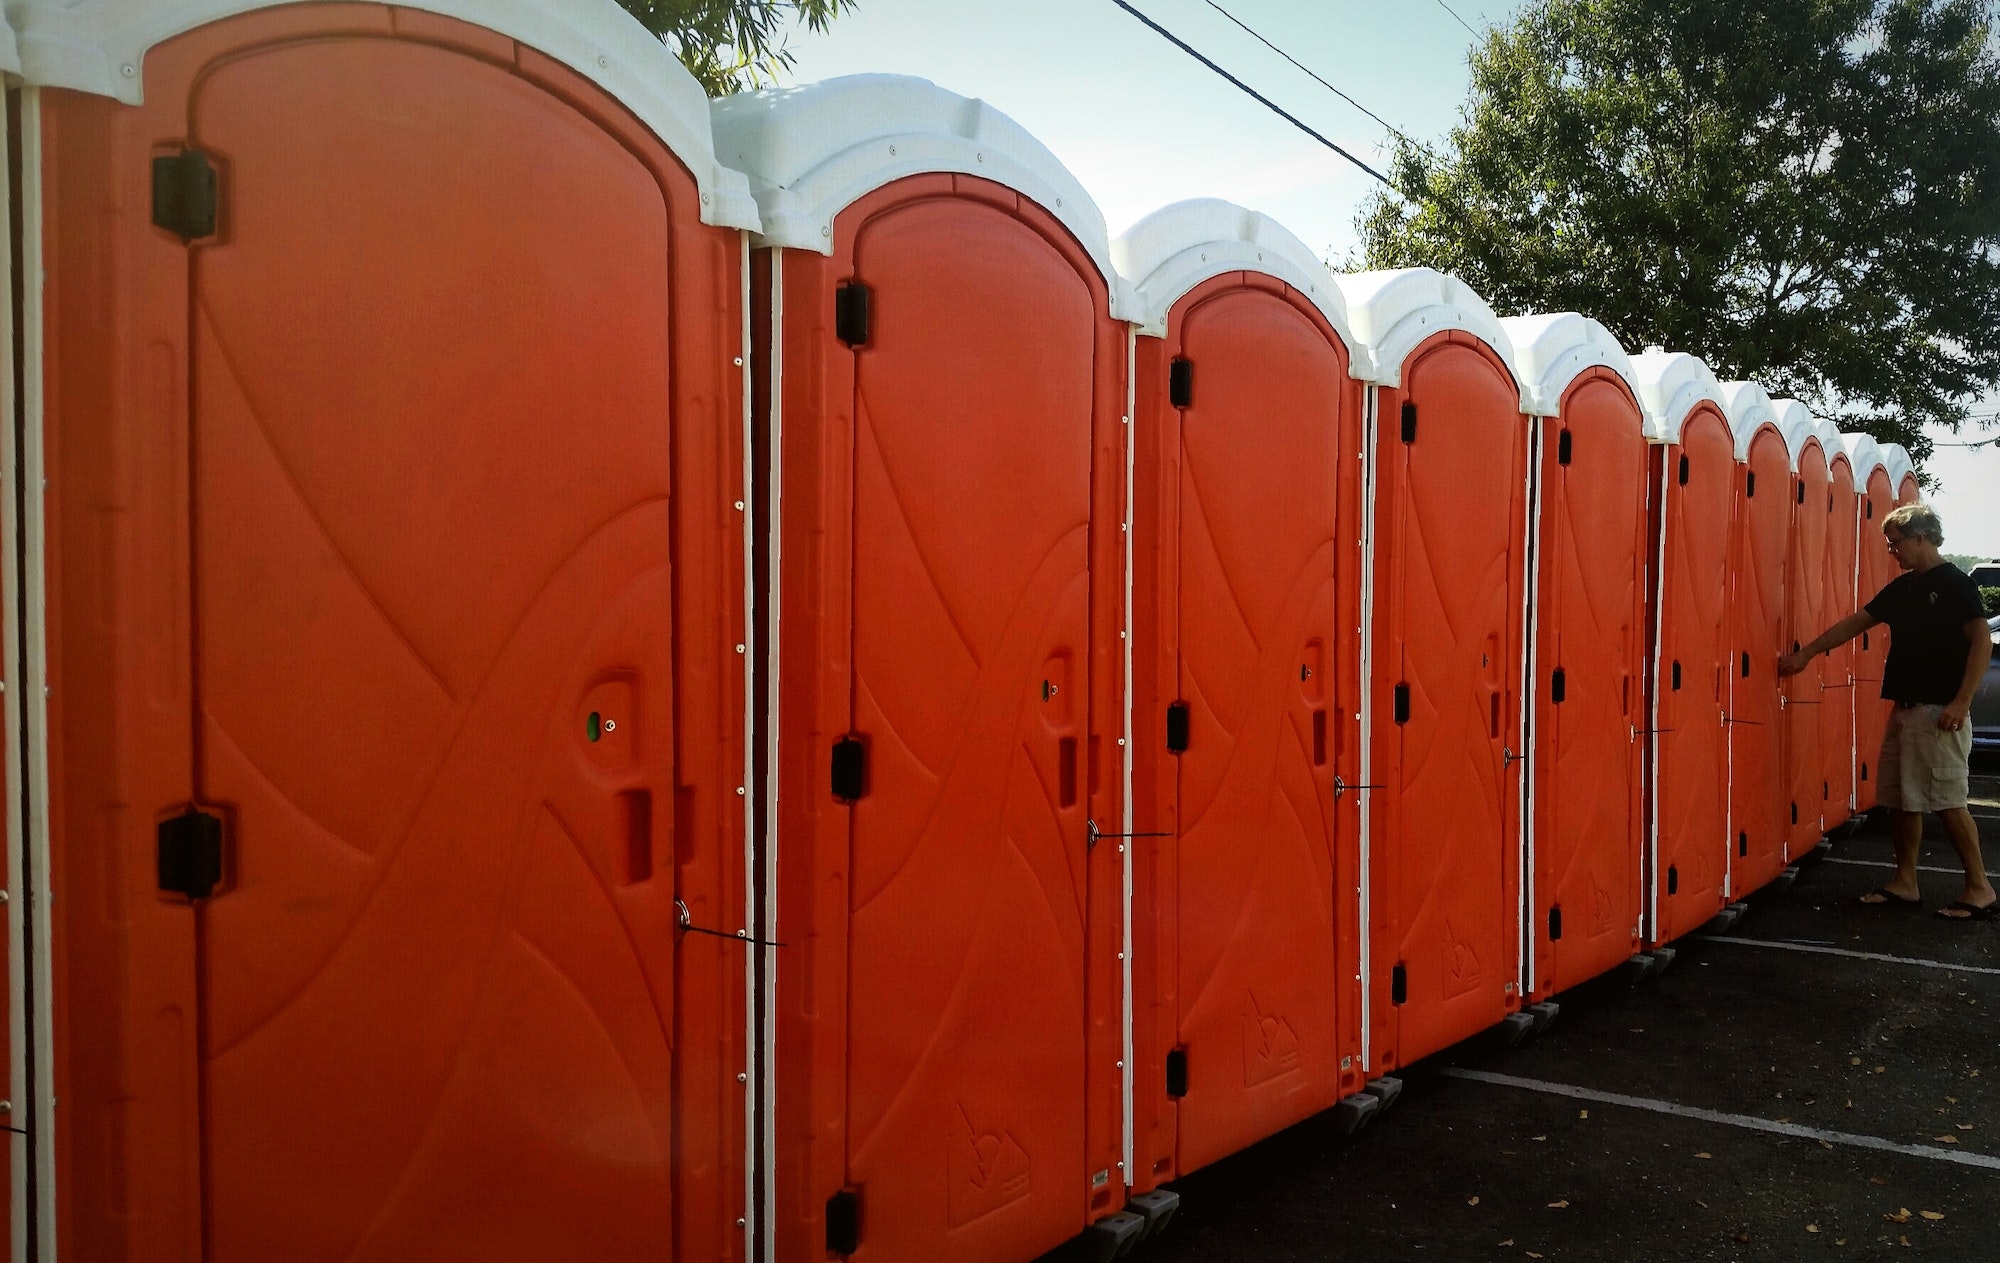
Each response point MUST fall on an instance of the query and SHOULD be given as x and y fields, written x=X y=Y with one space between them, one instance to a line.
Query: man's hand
x=1793 y=663
x=1951 y=718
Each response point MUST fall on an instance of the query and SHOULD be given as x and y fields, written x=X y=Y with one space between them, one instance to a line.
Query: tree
x=730 y=45
x=1801 y=192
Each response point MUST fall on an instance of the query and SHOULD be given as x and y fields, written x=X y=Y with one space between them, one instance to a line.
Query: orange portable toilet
x=1873 y=570
x=1694 y=488
x=947 y=352
x=1902 y=475
x=1584 y=838
x=393 y=713
x=1808 y=792
x=21 y=1026
x=1759 y=818
x=1443 y=689
x=1246 y=593
x=1836 y=712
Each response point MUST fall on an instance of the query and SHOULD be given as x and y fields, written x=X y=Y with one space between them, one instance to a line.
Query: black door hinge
x=1180 y=383
x=1684 y=471
x=1555 y=922
x=850 y=769
x=1409 y=421
x=1750 y=484
x=852 y=307
x=1802 y=493
x=190 y=858
x=1177 y=1073
x=1402 y=704
x=1673 y=879
x=1177 y=727
x=1558 y=686
x=1399 y=985
x=1742 y=843
x=185 y=194
x=1677 y=674
x=843 y=1222
x=1562 y=448
x=1746 y=666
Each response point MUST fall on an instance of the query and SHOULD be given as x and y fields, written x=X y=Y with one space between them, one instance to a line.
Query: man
x=1938 y=650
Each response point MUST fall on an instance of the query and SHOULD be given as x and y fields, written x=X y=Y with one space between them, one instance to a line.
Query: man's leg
x=1964 y=834
x=1906 y=830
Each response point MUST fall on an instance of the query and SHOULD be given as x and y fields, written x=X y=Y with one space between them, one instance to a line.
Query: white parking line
x=1747 y=1122
x=1817 y=950
x=1949 y=872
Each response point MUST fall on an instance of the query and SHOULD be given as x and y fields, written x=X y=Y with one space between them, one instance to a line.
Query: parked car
x=1986 y=702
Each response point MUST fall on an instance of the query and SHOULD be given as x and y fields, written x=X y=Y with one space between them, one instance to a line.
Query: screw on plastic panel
x=739 y=506
x=739 y=361
x=739 y=791
x=739 y=648
x=742 y=1077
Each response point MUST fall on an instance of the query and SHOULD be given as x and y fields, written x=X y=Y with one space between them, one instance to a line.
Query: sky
x=1141 y=124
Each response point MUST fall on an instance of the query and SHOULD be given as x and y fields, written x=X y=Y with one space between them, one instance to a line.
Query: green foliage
x=730 y=45
x=1964 y=561
x=1801 y=192
x=1992 y=598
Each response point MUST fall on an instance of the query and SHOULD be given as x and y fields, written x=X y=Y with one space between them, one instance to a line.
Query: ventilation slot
x=1684 y=471
x=1673 y=880
x=1177 y=1073
x=1555 y=922
x=1677 y=674
x=1562 y=448
x=1558 y=686
x=1399 y=985
x=1402 y=703
x=1180 y=383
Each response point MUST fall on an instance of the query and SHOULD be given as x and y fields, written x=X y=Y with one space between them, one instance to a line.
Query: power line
x=1461 y=21
x=1308 y=70
x=1259 y=97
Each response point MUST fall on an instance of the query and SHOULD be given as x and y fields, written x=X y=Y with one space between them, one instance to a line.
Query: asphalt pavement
x=1822 y=1079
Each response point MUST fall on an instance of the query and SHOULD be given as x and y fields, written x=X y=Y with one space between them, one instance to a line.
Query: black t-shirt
x=1927 y=614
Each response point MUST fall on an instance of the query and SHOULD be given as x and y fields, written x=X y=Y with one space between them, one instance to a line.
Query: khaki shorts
x=1923 y=767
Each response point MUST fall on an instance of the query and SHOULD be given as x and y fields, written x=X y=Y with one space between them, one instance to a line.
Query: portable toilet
x=1246 y=590
x=1873 y=570
x=20 y=1024
x=1444 y=691
x=1836 y=712
x=1584 y=837
x=1758 y=791
x=389 y=678
x=947 y=354
x=1694 y=487
x=1807 y=794
x=1902 y=474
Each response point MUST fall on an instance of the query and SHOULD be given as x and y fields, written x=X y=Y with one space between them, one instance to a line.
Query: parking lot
x=1822 y=1078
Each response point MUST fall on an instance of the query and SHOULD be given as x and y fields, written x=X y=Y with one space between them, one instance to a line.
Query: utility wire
x=1461 y=21
x=1247 y=29
x=1259 y=97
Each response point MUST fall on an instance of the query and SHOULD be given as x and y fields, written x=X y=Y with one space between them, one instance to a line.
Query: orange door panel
x=1836 y=712
x=1809 y=792
x=1871 y=651
x=1759 y=793
x=1445 y=857
x=938 y=1033
x=1255 y=902
x=1696 y=666
x=405 y=601
x=1590 y=597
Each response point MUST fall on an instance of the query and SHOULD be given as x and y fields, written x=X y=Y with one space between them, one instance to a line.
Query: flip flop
x=1889 y=899
x=1972 y=912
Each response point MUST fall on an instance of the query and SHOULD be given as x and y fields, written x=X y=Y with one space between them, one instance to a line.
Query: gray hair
x=1919 y=520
